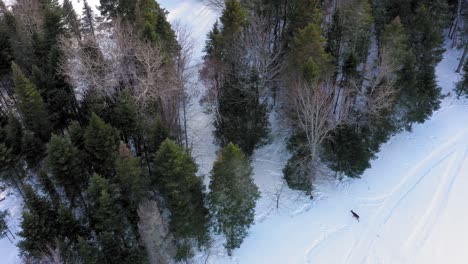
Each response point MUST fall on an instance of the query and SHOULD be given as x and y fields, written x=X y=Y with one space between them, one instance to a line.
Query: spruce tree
x=117 y=242
x=65 y=168
x=14 y=135
x=31 y=105
x=133 y=184
x=462 y=86
x=308 y=53
x=182 y=190
x=101 y=145
x=71 y=19
x=39 y=225
x=233 y=196
x=126 y=117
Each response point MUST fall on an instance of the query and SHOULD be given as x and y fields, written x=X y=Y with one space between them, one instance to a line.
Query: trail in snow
x=407 y=200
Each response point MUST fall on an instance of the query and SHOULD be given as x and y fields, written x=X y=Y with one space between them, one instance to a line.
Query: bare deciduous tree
x=312 y=113
x=263 y=53
x=185 y=73
x=217 y=5
x=382 y=90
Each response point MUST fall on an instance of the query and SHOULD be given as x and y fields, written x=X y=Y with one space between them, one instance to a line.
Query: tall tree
x=31 y=105
x=65 y=168
x=101 y=145
x=176 y=179
x=233 y=196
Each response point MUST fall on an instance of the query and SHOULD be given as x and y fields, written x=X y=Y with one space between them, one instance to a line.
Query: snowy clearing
x=411 y=201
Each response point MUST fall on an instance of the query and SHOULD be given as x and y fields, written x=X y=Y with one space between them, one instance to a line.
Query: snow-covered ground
x=411 y=202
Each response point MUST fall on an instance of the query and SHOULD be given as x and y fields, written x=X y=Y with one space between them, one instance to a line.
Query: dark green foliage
x=65 y=168
x=148 y=18
x=233 y=195
x=157 y=133
x=242 y=116
x=176 y=179
x=234 y=18
x=48 y=187
x=117 y=243
x=6 y=52
x=462 y=86
x=14 y=135
x=308 y=54
x=39 y=226
x=31 y=105
x=3 y=224
x=296 y=174
x=101 y=145
x=348 y=151
x=33 y=149
x=125 y=117
x=133 y=184
x=334 y=35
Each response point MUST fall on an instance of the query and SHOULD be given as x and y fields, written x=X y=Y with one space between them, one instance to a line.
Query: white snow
x=412 y=202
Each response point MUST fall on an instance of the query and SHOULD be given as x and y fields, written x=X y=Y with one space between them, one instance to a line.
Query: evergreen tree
x=133 y=184
x=3 y=224
x=427 y=47
x=242 y=116
x=348 y=151
x=182 y=189
x=101 y=145
x=14 y=135
x=234 y=18
x=39 y=225
x=308 y=53
x=462 y=86
x=117 y=243
x=71 y=19
x=48 y=187
x=33 y=149
x=64 y=166
x=233 y=195
x=87 y=21
x=31 y=105
x=125 y=117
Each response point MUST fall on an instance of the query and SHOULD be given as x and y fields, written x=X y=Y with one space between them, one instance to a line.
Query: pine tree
x=71 y=19
x=126 y=117
x=31 y=105
x=348 y=151
x=117 y=242
x=87 y=21
x=308 y=53
x=101 y=145
x=3 y=224
x=133 y=184
x=48 y=187
x=234 y=18
x=64 y=166
x=176 y=179
x=233 y=196
x=242 y=116
x=14 y=135
x=39 y=225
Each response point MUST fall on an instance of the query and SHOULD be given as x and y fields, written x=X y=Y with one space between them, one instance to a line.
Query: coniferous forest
x=93 y=113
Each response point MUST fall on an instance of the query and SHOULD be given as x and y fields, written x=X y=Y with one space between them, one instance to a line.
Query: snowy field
x=412 y=202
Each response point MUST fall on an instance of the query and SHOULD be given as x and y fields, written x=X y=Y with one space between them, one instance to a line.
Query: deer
x=355 y=215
